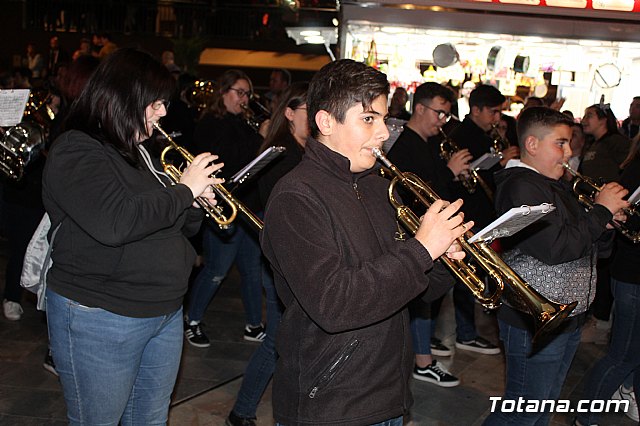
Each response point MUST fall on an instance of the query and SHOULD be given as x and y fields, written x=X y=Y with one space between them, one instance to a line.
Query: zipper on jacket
x=355 y=188
x=329 y=373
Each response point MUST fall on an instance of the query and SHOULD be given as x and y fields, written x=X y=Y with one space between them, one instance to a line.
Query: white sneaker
x=12 y=310
x=623 y=393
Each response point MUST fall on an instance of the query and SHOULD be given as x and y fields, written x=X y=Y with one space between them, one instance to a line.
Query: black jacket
x=279 y=167
x=122 y=244
x=236 y=144
x=477 y=206
x=556 y=254
x=626 y=258
x=602 y=158
x=411 y=153
x=344 y=340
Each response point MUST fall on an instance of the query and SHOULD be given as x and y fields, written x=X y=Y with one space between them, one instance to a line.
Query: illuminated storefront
x=524 y=47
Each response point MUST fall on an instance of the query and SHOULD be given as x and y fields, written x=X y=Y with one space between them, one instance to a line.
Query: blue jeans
x=391 y=422
x=423 y=327
x=533 y=376
x=263 y=361
x=623 y=356
x=221 y=248
x=114 y=369
x=464 y=305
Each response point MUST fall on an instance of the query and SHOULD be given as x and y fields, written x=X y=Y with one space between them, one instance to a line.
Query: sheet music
x=635 y=197
x=257 y=164
x=512 y=221
x=487 y=161
x=12 y=105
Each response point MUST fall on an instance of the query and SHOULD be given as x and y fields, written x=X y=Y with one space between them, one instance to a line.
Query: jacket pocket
x=334 y=367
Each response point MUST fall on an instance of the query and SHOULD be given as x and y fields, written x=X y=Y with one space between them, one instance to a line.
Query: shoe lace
x=439 y=369
x=196 y=330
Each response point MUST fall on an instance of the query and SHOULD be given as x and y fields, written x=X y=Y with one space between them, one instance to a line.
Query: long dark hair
x=280 y=130
x=604 y=111
x=111 y=107
x=223 y=84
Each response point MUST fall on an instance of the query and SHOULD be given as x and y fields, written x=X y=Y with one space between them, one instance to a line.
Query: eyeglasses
x=442 y=115
x=241 y=92
x=157 y=104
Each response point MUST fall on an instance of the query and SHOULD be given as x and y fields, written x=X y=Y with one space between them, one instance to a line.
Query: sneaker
x=479 y=345
x=438 y=348
x=195 y=335
x=12 y=310
x=48 y=363
x=623 y=393
x=254 y=334
x=436 y=374
x=235 y=420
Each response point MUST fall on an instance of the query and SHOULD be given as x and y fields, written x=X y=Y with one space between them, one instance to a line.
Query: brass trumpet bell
x=547 y=315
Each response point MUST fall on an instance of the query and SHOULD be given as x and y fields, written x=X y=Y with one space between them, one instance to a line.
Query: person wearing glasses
x=121 y=258
x=417 y=151
x=223 y=129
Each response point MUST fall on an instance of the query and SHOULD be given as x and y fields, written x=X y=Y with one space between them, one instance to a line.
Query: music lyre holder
x=254 y=167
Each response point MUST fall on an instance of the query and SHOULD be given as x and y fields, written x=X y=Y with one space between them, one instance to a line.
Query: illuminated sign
x=610 y=5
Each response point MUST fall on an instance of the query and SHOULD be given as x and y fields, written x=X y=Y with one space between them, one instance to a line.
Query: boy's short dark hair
x=536 y=117
x=340 y=85
x=429 y=90
x=485 y=96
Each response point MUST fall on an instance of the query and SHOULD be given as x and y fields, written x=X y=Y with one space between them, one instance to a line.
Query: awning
x=262 y=59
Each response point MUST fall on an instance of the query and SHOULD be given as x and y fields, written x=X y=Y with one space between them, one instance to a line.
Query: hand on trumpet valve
x=199 y=176
x=611 y=196
x=459 y=161
x=439 y=228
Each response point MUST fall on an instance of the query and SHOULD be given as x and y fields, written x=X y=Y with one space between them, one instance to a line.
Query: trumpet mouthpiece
x=377 y=152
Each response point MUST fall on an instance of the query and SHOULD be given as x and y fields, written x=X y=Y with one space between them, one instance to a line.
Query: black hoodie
x=556 y=254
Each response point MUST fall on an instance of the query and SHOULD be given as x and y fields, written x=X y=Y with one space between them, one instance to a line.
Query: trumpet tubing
x=587 y=200
x=469 y=180
x=547 y=315
x=447 y=148
x=214 y=211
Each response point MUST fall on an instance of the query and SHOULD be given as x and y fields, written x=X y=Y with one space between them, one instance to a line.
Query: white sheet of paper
x=512 y=221
x=12 y=105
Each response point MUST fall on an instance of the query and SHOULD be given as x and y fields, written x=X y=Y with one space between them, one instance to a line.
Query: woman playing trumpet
x=223 y=130
x=121 y=259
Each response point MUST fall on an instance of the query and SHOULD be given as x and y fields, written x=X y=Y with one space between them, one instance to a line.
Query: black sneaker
x=48 y=363
x=234 y=420
x=254 y=334
x=438 y=348
x=436 y=374
x=479 y=345
x=195 y=335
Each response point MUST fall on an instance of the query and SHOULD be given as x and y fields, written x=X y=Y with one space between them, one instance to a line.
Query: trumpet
x=499 y=143
x=447 y=148
x=212 y=210
x=547 y=315
x=255 y=113
x=587 y=200
x=469 y=180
